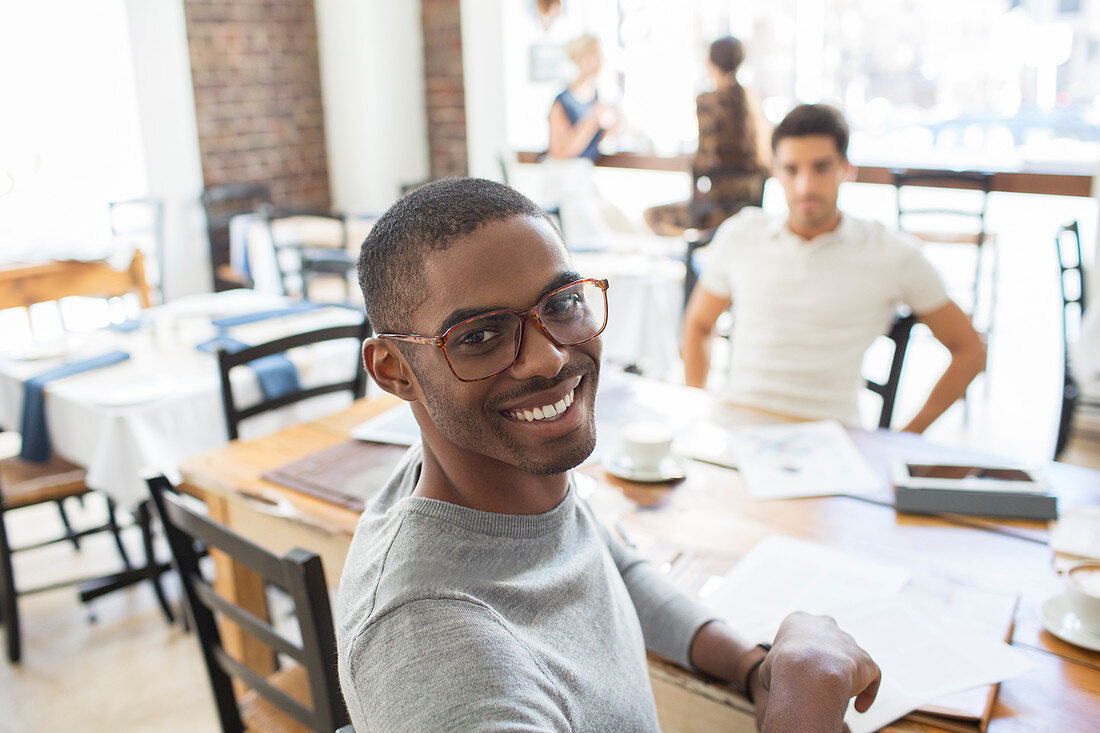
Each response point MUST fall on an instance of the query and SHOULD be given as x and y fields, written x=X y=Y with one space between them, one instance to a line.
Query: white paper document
x=784 y=574
x=923 y=648
x=803 y=459
x=396 y=426
x=924 y=651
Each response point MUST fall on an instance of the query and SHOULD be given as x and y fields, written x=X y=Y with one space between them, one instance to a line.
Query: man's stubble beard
x=462 y=427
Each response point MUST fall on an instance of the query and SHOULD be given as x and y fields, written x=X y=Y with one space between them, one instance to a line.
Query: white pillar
x=483 y=66
x=170 y=139
x=372 y=86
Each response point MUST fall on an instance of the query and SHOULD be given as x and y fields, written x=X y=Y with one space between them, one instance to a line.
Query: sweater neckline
x=493 y=524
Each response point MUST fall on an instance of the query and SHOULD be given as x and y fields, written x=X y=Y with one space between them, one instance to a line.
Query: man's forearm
x=949 y=388
x=716 y=650
x=696 y=355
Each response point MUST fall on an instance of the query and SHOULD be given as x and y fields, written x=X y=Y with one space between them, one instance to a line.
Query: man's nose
x=803 y=183
x=538 y=355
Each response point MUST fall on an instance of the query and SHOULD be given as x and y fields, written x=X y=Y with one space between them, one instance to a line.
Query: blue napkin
x=276 y=374
x=36 y=438
x=231 y=321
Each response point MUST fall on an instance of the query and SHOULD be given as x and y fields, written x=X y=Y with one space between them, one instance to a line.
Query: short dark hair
x=429 y=218
x=727 y=53
x=814 y=119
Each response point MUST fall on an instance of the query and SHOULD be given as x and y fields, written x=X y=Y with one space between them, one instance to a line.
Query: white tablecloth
x=164 y=403
x=644 y=308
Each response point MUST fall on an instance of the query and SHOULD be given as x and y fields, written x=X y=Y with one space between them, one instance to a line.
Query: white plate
x=1061 y=621
x=671 y=468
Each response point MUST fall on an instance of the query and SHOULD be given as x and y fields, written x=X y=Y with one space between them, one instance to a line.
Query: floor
x=126 y=670
x=130 y=671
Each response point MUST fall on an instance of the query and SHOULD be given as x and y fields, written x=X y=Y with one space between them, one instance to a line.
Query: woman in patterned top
x=732 y=153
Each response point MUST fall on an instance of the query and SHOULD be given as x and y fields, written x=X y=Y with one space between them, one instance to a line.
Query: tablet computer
x=925 y=487
x=928 y=475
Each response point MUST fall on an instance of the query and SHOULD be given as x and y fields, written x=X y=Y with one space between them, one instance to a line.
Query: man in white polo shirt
x=812 y=291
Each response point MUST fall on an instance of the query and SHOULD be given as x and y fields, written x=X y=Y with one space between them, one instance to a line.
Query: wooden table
x=709 y=513
x=1075 y=181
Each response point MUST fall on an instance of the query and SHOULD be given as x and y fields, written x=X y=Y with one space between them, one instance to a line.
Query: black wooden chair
x=221 y=203
x=961 y=224
x=899 y=333
x=326 y=256
x=25 y=484
x=227 y=361
x=1072 y=282
x=304 y=695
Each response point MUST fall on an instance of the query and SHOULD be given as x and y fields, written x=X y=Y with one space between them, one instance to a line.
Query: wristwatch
x=747 y=664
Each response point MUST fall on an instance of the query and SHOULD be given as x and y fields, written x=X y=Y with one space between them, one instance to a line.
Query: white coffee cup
x=645 y=445
x=1083 y=593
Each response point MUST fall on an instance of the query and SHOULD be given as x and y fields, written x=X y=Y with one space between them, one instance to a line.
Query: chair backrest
x=703 y=180
x=299 y=220
x=299 y=573
x=1072 y=281
x=701 y=183
x=25 y=285
x=691 y=277
x=1067 y=244
x=227 y=361
x=221 y=203
x=899 y=333
x=921 y=220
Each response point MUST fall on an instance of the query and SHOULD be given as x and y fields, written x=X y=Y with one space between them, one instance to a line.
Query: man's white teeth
x=546 y=411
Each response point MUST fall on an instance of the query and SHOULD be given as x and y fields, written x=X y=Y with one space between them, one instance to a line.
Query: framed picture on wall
x=546 y=61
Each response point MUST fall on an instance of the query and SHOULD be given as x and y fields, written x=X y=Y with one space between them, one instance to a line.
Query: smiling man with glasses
x=479 y=592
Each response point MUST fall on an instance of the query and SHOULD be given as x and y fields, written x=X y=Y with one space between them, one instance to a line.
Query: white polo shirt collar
x=845 y=230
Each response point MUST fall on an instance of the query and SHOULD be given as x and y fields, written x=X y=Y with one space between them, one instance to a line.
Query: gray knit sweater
x=449 y=618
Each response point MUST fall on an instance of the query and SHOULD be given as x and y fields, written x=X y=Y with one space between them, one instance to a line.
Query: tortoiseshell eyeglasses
x=487 y=344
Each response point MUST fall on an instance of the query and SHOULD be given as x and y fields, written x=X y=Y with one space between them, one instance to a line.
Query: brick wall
x=444 y=90
x=258 y=96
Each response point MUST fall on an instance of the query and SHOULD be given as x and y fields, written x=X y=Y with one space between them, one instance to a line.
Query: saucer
x=1061 y=621
x=671 y=468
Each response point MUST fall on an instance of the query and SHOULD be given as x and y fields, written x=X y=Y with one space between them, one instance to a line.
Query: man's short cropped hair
x=429 y=218
x=814 y=119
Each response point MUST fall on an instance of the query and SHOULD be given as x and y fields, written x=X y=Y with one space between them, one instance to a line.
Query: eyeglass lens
x=489 y=344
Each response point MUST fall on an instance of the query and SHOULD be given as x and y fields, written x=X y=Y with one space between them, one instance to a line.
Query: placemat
x=349 y=474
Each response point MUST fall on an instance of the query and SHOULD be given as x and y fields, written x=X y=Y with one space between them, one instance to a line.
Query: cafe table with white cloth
x=149 y=411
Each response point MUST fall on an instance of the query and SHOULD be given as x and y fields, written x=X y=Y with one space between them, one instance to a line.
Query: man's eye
x=480 y=337
x=563 y=305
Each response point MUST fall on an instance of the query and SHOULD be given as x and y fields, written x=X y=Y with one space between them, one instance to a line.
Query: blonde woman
x=578 y=122
x=577 y=117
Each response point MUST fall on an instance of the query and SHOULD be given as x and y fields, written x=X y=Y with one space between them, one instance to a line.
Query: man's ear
x=388 y=368
x=850 y=172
